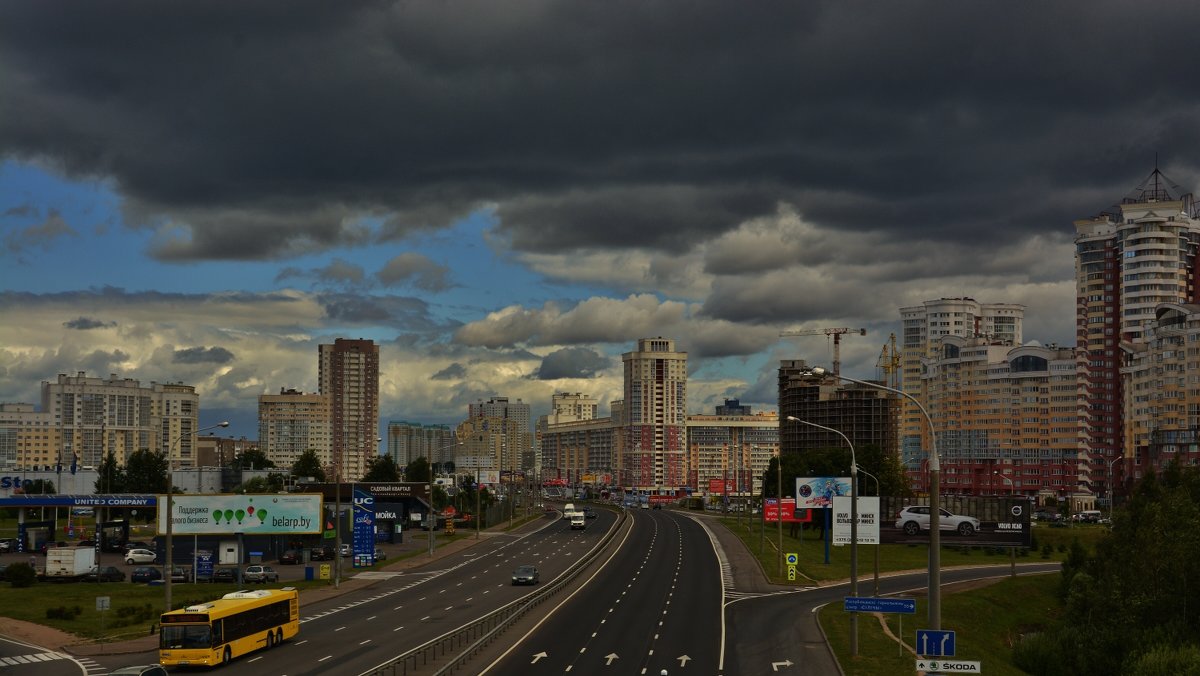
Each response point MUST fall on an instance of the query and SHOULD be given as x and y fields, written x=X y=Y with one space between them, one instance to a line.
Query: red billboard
x=790 y=515
x=720 y=486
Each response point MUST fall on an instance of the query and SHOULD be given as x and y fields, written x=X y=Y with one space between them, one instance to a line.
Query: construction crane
x=889 y=362
x=837 y=341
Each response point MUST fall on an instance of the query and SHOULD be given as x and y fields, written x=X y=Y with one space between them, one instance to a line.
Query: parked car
x=104 y=574
x=140 y=556
x=347 y=550
x=380 y=555
x=224 y=575
x=525 y=575
x=915 y=518
x=321 y=554
x=8 y=545
x=145 y=574
x=291 y=557
x=181 y=574
x=260 y=574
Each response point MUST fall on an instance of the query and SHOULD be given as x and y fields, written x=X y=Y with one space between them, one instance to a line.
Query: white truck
x=577 y=521
x=69 y=563
x=568 y=510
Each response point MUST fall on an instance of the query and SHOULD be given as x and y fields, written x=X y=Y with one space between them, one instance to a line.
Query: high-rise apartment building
x=923 y=327
x=733 y=448
x=496 y=435
x=1007 y=419
x=292 y=422
x=407 y=441
x=655 y=416
x=93 y=416
x=1127 y=262
x=866 y=415
x=349 y=377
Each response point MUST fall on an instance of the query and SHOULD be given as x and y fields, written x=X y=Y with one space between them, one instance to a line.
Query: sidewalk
x=308 y=597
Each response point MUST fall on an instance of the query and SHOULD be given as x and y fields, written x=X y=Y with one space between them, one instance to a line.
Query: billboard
x=790 y=513
x=971 y=521
x=720 y=486
x=818 y=492
x=228 y=514
x=489 y=476
x=868 y=520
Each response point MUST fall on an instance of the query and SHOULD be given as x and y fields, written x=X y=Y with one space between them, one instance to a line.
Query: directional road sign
x=868 y=604
x=792 y=558
x=949 y=666
x=932 y=642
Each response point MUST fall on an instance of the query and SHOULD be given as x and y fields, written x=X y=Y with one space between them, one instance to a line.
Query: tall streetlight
x=863 y=471
x=1012 y=551
x=935 y=497
x=1112 y=496
x=171 y=508
x=853 y=526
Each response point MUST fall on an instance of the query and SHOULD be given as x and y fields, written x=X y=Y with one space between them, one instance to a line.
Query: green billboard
x=227 y=514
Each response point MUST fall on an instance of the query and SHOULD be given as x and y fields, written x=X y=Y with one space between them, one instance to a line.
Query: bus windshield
x=182 y=636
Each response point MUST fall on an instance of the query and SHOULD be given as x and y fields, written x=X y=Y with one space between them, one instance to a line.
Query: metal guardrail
x=451 y=651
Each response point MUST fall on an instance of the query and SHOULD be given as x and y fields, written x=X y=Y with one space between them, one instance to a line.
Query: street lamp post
x=935 y=497
x=863 y=471
x=170 y=509
x=853 y=526
x=1112 y=495
x=1012 y=551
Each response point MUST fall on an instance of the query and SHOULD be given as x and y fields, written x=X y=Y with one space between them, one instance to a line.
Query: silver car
x=260 y=574
x=915 y=518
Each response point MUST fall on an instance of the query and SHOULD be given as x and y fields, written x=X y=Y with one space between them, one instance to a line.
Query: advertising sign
x=790 y=513
x=720 y=486
x=983 y=521
x=818 y=492
x=228 y=514
x=489 y=476
x=204 y=564
x=868 y=520
x=364 y=528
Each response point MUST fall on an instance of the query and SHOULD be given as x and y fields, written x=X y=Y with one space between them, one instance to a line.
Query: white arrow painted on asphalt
x=683 y=660
x=609 y=659
x=538 y=656
x=775 y=665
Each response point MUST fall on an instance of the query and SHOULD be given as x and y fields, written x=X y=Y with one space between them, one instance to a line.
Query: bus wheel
x=226 y=656
x=270 y=640
x=279 y=637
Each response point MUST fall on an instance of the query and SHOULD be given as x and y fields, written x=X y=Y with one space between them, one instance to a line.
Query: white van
x=1090 y=516
x=577 y=521
x=568 y=510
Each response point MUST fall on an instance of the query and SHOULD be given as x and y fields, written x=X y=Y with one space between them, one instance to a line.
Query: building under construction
x=866 y=415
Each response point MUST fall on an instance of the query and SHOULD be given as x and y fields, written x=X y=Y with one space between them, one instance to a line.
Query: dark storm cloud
x=454 y=371
x=572 y=362
x=202 y=355
x=250 y=131
x=412 y=314
x=87 y=323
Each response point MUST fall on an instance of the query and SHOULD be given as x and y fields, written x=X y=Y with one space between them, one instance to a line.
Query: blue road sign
x=934 y=642
x=869 y=604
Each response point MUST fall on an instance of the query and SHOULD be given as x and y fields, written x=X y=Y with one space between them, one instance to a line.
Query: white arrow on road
x=775 y=665
x=683 y=660
x=609 y=659
x=538 y=656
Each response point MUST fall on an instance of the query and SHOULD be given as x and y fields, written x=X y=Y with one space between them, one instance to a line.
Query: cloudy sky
x=507 y=195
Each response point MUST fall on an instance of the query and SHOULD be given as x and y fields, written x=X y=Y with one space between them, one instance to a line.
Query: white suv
x=260 y=574
x=915 y=518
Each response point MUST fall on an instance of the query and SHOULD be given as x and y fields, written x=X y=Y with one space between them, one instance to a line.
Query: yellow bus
x=216 y=632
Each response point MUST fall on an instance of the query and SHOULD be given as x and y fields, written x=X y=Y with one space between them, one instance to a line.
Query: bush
x=63 y=613
x=21 y=575
x=1047 y=550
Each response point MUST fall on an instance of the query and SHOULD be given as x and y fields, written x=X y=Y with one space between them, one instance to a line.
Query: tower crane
x=837 y=341
x=889 y=362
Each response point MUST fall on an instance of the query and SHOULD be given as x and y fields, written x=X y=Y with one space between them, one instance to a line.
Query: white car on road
x=915 y=518
x=140 y=556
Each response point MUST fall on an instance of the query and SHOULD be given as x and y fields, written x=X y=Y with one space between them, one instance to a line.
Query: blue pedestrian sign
x=869 y=604
x=934 y=642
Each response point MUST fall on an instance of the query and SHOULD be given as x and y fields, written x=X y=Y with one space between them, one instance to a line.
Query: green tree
x=252 y=458
x=146 y=472
x=255 y=484
x=382 y=468
x=309 y=465
x=417 y=470
x=40 y=487
x=111 y=476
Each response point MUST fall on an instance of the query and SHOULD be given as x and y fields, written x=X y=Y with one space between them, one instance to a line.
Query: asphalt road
x=654 y=603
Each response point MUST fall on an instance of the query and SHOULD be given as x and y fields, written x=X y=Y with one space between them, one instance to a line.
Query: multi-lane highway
x=670 y=591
